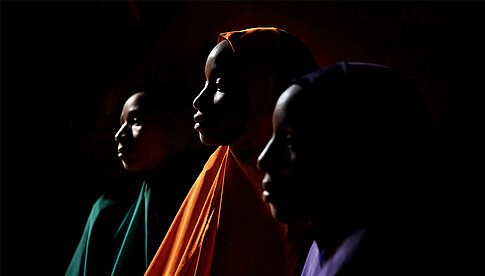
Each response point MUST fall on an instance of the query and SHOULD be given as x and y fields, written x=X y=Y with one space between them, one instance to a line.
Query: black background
x=67 y=68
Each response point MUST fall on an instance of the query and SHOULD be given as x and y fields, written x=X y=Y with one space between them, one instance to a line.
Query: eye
x=135 y=121
x=290 y=145
x=290 y=141
x=219 y=84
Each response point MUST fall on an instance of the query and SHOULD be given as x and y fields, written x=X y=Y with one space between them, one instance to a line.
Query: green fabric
x=112 y=237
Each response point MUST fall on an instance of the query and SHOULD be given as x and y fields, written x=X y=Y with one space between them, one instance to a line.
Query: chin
x=126 y=166
x=279 y=214
x=285 y=216
x=208 y=141
x=132 y=168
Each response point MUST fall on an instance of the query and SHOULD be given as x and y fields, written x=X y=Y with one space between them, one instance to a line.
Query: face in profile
x=144 y=138
x=286 y=161
x=223 y=105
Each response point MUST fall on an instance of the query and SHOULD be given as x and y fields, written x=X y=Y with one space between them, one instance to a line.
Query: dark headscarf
x=369 y=127
x=373 y=121
x=359 y=92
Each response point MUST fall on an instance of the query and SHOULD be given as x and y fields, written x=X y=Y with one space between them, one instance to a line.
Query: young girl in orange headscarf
x=223 y=227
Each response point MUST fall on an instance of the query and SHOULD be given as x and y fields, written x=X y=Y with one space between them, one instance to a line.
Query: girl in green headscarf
x=125 y=228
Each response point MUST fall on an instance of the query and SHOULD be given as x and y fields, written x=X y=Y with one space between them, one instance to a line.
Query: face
x=284 y=161
x=144 y=139
x=223 y=105
x=310 y=166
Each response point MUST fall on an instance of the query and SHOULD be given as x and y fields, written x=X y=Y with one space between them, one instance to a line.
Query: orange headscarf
x=223 y=227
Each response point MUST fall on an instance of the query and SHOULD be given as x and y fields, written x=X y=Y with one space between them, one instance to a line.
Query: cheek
x=223 y=107
x=291 y=168
x=231 y=116
x=233 y=102
x=153 y=143
x=301 y=178
x=159 y=141
x=226 y=105
x=219 y=99
x=137 y=132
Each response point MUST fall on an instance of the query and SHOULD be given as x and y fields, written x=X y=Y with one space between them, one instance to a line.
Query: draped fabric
x=270 y=59
x=223 y=227
x=378 y=125
x=317 y=264
x=112 y=241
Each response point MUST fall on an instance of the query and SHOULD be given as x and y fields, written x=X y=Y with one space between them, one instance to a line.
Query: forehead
x=220 y=58
x=140 y=102
x=134 y=101
x=286 y=111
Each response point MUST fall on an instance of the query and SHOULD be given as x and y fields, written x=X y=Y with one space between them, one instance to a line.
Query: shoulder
x=106 y=211
x=103 y=202
x=388 y=252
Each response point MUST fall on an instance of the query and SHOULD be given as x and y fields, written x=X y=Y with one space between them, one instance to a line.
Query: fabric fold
x=199 y=214
x=224 y=227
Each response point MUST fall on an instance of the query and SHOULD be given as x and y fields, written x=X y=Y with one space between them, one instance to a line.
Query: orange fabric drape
x=183 y=245
x=223 y=227
x=188 y=248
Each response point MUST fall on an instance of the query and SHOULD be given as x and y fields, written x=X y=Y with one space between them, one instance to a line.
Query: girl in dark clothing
x=349 y=153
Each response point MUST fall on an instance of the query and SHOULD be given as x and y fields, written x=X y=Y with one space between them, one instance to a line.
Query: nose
x=121 y=133
x=264 y=159
x=200 y=101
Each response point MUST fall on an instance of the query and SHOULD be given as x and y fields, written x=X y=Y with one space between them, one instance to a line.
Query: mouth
x=267 y=196
x=200 y=121
x=123 y=152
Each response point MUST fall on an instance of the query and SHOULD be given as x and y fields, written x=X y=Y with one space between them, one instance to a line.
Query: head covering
x=376 y=91
x=376 y=127
x=270 y=59
x=374 y=122
x=224 y=227
x=369 y=110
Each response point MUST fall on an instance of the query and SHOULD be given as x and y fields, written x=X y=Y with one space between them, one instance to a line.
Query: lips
x=267 y=197
x=200 y=121
x=123 y=151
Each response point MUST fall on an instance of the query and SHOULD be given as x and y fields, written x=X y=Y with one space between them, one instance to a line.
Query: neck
x=247 y=162
x=249 y=146
x=169 y=174
x=330 y=233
